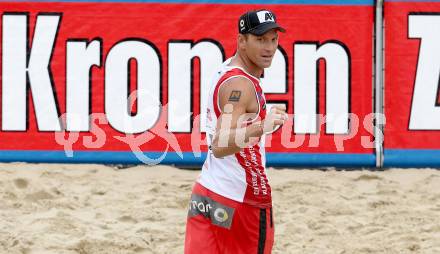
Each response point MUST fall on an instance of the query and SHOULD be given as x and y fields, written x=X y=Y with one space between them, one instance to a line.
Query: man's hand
x=274 y=118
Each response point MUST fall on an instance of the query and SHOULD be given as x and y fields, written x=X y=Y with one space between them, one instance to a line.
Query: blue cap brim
x=265 y=27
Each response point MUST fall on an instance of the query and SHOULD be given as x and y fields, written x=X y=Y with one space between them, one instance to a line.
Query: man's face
x=261 y=49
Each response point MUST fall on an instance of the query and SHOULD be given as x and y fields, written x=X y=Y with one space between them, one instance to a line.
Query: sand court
x=62 y=208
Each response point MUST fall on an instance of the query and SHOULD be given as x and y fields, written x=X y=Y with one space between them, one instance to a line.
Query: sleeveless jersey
x=241 y=176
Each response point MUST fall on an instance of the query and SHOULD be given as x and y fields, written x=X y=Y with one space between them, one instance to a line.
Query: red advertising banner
x=412 y=72
x=119 y=82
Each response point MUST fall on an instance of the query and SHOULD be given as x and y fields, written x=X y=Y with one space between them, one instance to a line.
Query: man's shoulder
x=238 y=71
x=238 y=83
x=237 y=91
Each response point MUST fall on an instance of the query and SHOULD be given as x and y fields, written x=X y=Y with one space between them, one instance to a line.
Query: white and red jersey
x=241 y=176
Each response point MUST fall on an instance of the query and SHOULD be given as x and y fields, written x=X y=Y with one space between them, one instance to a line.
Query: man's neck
x=244 y=62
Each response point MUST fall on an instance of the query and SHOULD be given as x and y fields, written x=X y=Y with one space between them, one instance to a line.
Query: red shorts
x=218 y=225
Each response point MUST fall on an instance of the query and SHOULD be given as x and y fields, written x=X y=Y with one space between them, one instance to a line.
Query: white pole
x=379 y=83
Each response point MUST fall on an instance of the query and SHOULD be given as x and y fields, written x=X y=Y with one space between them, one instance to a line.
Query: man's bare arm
x=236 y=96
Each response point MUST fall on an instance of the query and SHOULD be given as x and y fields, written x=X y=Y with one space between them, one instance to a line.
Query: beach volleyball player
x=231 y=206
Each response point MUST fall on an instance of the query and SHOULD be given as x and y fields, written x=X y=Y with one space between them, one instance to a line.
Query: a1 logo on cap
x=242 y=27
x=265 y=16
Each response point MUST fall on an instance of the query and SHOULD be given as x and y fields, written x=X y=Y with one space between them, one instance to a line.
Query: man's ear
x=241 y=40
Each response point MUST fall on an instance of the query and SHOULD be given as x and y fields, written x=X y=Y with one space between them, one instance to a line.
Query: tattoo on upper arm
x=235 y=96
